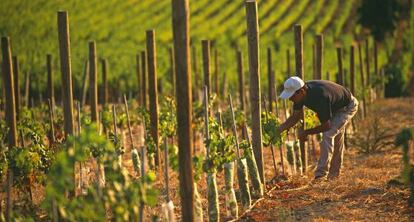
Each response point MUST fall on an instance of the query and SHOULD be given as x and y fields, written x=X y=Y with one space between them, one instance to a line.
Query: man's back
x=325 y=98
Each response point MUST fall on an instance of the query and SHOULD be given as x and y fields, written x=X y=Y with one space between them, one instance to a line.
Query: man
x=335 y=107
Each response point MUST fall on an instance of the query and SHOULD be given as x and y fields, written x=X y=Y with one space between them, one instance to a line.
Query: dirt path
x=361 y=193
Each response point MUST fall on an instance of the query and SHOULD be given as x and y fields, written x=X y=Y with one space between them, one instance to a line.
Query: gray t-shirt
x=324 y=98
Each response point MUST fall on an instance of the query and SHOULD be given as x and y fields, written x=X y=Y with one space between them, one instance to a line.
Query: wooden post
x=138 y=70
x=216 y=72
x=361 y=68
x=104 y=82
x=181 y=33
x=10 y=112
x=16 y=83
x=367 y=59
x=319 y=56
x=254 y=70
x=85 y=82
x=240 y=73
x=93 y=82
x=233 y=126
x=172 y=64
x=144 y=79
x=142 y=204
x=26 y=89
x=340 y=79
x=301 y=74
x=152 y=91
x=206 y=64
x=376 y=73
x=50 y=80
x=271 y=79
x=352 y=68
x=197 y=86
x=66 y=70
x=52 y=137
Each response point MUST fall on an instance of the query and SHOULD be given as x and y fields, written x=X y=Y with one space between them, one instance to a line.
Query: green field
x=118 y=27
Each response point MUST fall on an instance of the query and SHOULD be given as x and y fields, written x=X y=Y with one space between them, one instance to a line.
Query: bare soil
x=361 y=193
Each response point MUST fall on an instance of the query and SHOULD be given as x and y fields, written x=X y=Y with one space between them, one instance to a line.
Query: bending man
x=334 y=105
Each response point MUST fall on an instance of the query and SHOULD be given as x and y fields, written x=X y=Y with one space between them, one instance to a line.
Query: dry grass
x=361 y=193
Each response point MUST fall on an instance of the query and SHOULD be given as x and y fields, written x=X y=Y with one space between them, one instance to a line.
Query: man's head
x=293 y=89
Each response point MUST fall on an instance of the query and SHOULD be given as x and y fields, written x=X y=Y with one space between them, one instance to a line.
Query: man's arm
x=303 y=134
x=291 y=121
x=318 y=129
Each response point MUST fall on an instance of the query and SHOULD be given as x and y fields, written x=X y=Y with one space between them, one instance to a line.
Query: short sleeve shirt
x=324 y=98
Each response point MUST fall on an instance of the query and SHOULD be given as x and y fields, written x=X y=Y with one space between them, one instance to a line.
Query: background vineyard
x=119 y=27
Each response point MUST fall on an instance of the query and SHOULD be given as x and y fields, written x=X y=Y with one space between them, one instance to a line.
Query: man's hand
x=302 y=134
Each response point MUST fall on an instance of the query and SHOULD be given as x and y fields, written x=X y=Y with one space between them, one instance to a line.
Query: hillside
x=119 y=26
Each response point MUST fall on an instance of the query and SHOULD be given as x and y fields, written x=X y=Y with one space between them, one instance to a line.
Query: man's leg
x=326 y=147
x=338 y=122
x=337 y=156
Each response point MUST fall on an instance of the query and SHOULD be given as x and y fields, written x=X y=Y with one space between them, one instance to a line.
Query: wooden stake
x=254 y=70
x=114 y=121
x=216 y=72
x=301 y=74
x=367 y=59
x=66 y=70
x=144 y=79
x=81 y=183
x=65 y=66
x=376 y=72
x=138 y=70
x=129 y=123
x=319 y=56
x=50 y=80
x=10 y=110
x=153 y=93
x=181 y=33
x=166 y=176
x=361 y=68
x=340 y=79
x=141 y=204
x=26 y=89
x=104 y=82
x=206 y=120
x=51 y=119
x=352 y=68
x=85 y=82
x=234 y=127
x=206 y=64
x=93 y=82
x=16 y=83
x=271 y=79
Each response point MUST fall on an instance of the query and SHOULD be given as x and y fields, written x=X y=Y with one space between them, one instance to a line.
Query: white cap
x=291 y=85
